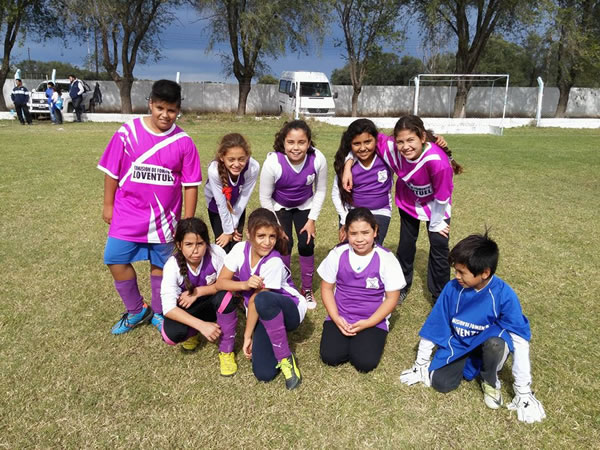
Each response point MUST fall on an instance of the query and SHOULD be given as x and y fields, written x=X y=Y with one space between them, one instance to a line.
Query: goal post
x=450 y=81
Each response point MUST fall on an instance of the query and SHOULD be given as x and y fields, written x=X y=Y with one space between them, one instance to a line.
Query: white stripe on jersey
x=420 y=164
x=421 y=213
x=164 y=224
x=152 y=233
x=151 y=152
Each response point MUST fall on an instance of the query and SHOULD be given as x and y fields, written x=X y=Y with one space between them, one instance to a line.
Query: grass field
x=67 y=382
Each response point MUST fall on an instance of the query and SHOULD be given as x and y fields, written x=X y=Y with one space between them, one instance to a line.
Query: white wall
x=374 y=101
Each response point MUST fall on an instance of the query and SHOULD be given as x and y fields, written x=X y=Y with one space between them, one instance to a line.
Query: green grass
x=67 y=382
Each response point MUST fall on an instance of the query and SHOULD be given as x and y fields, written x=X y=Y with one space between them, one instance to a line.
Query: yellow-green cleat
x=191 y=344
x=228 y=364
x=491 y=396
x=290 y=371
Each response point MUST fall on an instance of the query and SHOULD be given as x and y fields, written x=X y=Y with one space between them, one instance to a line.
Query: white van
x=316 y=98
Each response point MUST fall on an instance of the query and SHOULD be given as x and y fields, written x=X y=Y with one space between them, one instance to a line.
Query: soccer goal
x=488 y=95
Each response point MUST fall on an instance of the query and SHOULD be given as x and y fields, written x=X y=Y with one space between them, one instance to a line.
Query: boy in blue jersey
x=476 y=322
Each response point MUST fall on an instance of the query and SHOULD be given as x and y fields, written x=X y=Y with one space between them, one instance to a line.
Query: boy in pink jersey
x=146 y=163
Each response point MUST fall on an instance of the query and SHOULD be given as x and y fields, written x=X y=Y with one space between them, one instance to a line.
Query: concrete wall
x=374 y=101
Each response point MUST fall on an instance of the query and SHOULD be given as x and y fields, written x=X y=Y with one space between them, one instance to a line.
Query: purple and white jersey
x=173 y=283
x=240 y=195
x=151 y=169
x=424 y=186
x=276 y=276
x=361 y=281
x=286 y=186
x=371 y=188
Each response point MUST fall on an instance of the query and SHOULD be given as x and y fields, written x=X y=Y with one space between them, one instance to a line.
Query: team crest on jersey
x=310 y=179
x=210 y=279
x=151 y=174
x=382 y=176
x=372 y=283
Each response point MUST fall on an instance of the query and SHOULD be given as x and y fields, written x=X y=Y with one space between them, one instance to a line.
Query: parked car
x=38 y=103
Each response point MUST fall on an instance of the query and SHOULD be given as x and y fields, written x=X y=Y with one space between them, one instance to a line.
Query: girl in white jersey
x=231 y=179
x=293 y=184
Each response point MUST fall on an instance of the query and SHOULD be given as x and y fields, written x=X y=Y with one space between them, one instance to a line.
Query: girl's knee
x=444 y=385
x=265 y=374
x=494 y=346
x=365 y=364
x=332 y=358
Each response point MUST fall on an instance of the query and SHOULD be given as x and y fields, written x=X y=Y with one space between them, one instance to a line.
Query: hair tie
x=227 y=190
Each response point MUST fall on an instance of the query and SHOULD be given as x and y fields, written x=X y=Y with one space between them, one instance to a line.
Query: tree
x=257 y=29
x=575 y=34
x=129 y=33
x=367 y=24
x=501 y=56
x=382 y=69
x=32 y=66
x=472 y=22
x=268 y=79
x=19 y=17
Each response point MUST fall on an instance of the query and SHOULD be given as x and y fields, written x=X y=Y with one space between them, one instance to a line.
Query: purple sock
x=130 y=294
x=228 y=324
x=307 y=267
x=278 y=336
x=287 y=260
x=155 y=282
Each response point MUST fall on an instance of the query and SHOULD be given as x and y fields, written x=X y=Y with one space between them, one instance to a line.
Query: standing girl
x=231 y=179
x=273 y=304
x=423 y=194
x=360 y=287
x=190 y=301
x=286 y=187
x=372 y=177
x=57 y=104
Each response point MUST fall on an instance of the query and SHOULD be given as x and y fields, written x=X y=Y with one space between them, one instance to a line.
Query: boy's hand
x=529 y=409
x=107 y=213
x=418 y=373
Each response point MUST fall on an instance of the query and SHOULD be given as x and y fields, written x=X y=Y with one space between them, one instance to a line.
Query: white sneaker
x=310 y=300
x=491 y=396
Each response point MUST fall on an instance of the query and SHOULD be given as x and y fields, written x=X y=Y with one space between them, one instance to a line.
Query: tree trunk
x=244 y=87
x=125 y=85
x=563 y=100
x=355 y=93
x=460 y=101
x=3 y=75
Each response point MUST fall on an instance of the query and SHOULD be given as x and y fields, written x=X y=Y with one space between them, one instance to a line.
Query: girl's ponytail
x=456 y=167
x=183 y=271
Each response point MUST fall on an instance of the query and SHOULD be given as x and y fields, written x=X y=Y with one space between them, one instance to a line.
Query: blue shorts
x=118 y=251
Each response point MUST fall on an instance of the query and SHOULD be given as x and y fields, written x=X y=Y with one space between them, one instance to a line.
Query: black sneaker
x=290 y=370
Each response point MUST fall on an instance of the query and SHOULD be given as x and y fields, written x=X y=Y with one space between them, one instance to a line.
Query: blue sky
x=183 y=50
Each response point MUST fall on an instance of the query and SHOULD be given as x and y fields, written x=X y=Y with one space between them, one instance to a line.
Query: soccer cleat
x=157 y=321
x=310 y=299
x=491 y=396
x=228 y=364
x=403 y=295
x=191 y=344
x=129 y=321
x=291 y=372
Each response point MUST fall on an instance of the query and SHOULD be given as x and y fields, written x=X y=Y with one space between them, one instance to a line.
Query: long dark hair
x=229 y=141
x=286 y=128
x=262 y=217
x=189 y=225
x=357 y=127
x=416 y=125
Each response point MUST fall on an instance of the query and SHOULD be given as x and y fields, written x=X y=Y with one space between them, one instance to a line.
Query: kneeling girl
x=360 y=287
x=273 y=304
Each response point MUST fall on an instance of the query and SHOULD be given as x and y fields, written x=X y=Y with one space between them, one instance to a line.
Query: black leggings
x=204 y=308
x=492 y=352
x=217 y=227
x=298 y=218
x=363 y=350
x=438 y=267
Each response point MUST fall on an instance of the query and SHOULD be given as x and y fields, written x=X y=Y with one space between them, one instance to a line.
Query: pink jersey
x=421 y=182
x=151 y=169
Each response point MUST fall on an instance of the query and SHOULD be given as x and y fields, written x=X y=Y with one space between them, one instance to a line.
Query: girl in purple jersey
x=360 y=287
x=423 y=194
x=372 y=178
x=293 y=184
x=190 y=300
x=273 y=304
x=231 y=179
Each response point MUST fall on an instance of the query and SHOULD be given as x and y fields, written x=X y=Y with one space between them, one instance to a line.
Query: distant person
x=231 y=177
x=20 y=97
x=56 y=105
x=475 y=324
x=49 y=93
x=146 y=164
x=76 y=90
